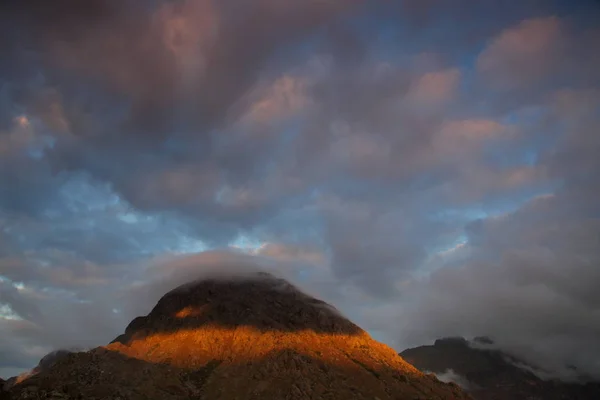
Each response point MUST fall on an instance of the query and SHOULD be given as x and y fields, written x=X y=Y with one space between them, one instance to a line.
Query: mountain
x=46 y=362
x=252 y=338
x=491 y=374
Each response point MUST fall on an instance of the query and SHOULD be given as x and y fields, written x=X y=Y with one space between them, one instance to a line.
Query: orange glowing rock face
x=189 y=312
x=271 y=341
x=257 y=338
x=271 y=363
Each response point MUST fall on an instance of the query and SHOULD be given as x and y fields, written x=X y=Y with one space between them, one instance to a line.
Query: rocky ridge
x=492 y=374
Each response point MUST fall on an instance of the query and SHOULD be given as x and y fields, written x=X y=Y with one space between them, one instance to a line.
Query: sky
x=427 y=167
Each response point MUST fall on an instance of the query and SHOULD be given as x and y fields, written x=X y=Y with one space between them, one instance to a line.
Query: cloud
x=523 y=53
x=525 y=276
x=450 y=376
x=284 y=97
x=19 y=353
x=384 y=250
x=528 y=282
x=455 y=139
x=136 y=46
x=533 y=51
x=286 y=252
x=435 y=87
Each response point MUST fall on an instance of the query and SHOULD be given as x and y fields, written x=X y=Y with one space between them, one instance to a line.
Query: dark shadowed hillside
x=252 y=338
x=492 y=374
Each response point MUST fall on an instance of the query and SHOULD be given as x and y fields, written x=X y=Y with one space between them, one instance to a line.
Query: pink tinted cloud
x=188 y=29
x=363 y=152
x=471 y=129
x=284 y=97
x=523 y=53
x=435 y=87
x=289 y=252
x=476 y=182
x=464 y=139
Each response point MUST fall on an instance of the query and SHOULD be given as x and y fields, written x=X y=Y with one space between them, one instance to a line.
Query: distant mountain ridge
x=491 y=374
x=252 y=338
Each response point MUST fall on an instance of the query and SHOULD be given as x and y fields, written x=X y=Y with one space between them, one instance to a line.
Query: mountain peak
x=254 y=337
x=259 y=301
